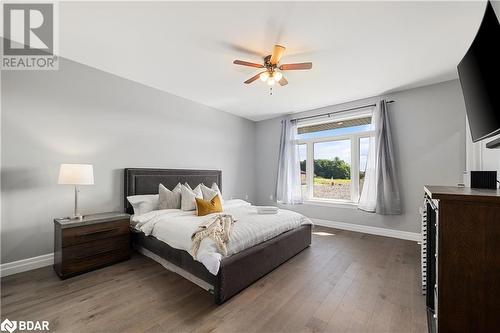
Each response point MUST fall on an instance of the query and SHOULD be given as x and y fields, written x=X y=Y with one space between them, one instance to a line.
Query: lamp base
x=76 y=214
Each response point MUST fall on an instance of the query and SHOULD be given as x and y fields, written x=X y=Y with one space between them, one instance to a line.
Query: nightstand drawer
x=92 y=232
x=97 y=247
x=99 y=253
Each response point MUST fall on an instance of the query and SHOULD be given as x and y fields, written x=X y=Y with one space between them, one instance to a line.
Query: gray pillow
x=169 y=199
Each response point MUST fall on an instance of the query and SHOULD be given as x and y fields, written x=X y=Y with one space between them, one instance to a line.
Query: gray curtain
x=381 y=188
x=388 y=199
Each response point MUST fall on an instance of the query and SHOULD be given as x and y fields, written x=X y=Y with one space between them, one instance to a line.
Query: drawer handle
x=97 y=232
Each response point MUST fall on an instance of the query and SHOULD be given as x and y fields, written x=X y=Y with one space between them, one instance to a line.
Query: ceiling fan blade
x=291 y=67
x=278 y=51
x=253 y=78
x=283 y=81
x=246 y=63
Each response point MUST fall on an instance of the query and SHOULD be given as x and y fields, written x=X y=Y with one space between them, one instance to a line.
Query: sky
x=330 y=150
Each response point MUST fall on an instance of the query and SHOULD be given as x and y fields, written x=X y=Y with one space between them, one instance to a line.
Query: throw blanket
x=218 y=229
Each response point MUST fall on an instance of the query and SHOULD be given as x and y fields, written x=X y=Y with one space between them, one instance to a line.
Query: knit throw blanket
x=218 y=229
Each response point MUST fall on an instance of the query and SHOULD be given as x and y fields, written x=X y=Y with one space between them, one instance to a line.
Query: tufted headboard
x=145 y=181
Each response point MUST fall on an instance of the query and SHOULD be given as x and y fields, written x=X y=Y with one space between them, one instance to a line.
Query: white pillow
x=143 y=204
x=208 y=193
x=188 y=197
x=169 y=199
x=215 y=187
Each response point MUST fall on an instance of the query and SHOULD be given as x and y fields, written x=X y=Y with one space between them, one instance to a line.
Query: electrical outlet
x=246 y=196
x=271 y=197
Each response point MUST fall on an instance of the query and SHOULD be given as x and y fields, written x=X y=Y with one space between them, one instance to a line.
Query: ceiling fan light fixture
x=264 y=76
x=277 y=76
x=271 y=81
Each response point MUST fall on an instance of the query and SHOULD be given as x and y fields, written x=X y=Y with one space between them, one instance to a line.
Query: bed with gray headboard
x=237 y=271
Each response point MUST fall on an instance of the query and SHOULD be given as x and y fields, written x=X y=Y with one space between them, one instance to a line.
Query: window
x=332 y=170
x=333 y=156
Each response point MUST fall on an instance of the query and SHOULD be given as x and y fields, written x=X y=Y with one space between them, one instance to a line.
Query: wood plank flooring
x=345 y=282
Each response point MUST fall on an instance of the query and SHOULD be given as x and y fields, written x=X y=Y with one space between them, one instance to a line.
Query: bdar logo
x=8 y=326
x=24 y=325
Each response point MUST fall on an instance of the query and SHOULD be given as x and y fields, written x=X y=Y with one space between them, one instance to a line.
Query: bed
x=236 y=271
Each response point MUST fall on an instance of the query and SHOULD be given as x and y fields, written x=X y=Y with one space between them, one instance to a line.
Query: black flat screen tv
x=479 y=73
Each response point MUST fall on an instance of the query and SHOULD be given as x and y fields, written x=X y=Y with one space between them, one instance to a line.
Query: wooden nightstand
x=94 y=242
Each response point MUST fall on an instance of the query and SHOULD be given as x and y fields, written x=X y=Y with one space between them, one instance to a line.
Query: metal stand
x=76 y=215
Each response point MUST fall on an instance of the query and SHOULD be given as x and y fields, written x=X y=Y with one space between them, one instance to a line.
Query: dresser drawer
x=91 y=232
x=99 y=253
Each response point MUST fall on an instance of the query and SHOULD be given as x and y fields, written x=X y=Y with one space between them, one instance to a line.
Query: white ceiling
x=359 y=49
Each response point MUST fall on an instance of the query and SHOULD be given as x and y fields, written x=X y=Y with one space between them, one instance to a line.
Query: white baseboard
x=26 y=264
x=413 y=236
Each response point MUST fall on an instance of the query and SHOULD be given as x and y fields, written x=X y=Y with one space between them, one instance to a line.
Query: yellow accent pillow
x=205 y=207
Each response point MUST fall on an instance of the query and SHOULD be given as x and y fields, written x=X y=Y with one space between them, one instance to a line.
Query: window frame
x=355 y=140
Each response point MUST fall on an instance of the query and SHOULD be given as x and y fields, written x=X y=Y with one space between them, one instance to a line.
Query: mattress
x=175 y=227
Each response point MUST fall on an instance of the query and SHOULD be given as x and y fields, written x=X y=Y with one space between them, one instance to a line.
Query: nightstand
x=96 y=241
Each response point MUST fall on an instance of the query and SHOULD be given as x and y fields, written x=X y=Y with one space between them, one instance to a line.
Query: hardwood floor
x=345 y=282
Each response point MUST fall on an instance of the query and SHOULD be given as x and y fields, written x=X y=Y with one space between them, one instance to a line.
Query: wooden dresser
x=94 y=242
x=463 y=259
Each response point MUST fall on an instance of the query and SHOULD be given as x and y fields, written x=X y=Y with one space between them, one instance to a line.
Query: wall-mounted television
x=479 y=73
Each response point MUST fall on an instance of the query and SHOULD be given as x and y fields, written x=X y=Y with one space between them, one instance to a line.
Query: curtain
x=288 y=187
x=381 y=189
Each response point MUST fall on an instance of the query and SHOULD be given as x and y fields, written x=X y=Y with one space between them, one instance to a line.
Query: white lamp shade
x=76 y=174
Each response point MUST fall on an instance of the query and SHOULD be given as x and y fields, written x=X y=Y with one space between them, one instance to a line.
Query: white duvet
x=175 y=227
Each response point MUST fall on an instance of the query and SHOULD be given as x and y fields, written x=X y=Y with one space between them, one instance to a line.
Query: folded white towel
x=267 y=210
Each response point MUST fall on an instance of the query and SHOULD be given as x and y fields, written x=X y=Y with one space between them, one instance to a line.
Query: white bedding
x=175 y=227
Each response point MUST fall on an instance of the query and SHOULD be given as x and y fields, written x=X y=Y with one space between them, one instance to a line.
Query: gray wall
x=429 y=137
x=82 y=115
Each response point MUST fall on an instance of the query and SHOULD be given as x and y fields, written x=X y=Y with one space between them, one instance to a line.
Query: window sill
x=331 y=203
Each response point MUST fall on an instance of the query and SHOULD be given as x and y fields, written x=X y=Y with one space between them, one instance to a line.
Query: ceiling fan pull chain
x=271 y=91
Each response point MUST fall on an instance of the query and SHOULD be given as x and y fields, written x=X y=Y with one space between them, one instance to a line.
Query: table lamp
x=76 y=174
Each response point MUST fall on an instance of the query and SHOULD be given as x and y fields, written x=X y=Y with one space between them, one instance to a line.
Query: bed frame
x=237 y=271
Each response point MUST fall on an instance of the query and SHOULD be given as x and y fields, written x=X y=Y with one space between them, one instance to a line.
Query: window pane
x=332 y=170
x=303 y=165
x=364 y=145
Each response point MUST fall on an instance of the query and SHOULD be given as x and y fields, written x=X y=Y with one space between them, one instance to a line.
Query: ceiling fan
x=273 y=69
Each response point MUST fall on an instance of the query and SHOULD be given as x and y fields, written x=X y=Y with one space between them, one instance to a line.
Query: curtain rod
x=335 y=112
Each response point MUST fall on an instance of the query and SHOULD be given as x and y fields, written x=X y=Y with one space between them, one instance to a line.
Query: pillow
x=205 y=207
x=197 y=189
x=169 y=199
x=188 y=197
x=143 y=204
x=208 y=193
x=215 y=187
